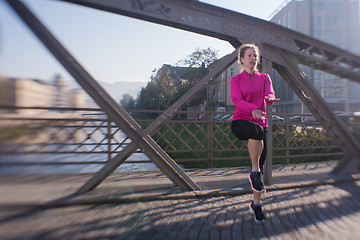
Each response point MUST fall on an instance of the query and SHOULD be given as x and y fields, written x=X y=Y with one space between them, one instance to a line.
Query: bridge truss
x=282 y=49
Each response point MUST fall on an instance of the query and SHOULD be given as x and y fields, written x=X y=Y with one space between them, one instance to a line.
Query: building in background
x=219 y=90
x=332 y=21
x=19 y=92
x=62 y=93
x=176 y=73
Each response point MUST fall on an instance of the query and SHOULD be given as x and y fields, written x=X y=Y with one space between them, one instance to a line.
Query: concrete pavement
x=304 y=202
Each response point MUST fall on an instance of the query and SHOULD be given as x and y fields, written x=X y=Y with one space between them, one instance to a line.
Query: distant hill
x=118 y=89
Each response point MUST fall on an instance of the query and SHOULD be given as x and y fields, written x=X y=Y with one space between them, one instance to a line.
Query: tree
x=200 y=62
x=163 y=90
x=167 y=88
x=149 y=97
x=127 y=101
x=193 y=76
x=159 y=94
x=201 y=58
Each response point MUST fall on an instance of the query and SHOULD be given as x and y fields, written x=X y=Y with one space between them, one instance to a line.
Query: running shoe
x=256 y=182
x=257 y=211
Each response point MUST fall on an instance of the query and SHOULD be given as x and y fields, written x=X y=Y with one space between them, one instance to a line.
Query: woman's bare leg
x=257 y=196
x=255 y=148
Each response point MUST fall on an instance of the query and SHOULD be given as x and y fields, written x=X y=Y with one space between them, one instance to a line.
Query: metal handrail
x=108 y=143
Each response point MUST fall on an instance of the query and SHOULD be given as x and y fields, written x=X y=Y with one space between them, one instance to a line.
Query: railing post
x=210 y=140
x=287 y=139
x=269 y=152
x=109 y=137
x=267 y=68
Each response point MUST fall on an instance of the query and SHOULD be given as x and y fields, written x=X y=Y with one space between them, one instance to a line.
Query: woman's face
x=249 y=61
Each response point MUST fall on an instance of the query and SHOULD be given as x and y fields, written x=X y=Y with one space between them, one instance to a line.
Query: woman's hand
x=269 y=99
x=257 y=113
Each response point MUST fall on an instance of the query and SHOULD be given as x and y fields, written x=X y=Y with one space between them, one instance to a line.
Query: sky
x=111 y=47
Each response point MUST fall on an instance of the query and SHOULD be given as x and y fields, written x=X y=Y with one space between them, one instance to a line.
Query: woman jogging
x=250 y=92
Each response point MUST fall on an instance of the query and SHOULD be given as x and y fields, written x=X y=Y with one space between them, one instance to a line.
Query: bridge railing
x=193 y=139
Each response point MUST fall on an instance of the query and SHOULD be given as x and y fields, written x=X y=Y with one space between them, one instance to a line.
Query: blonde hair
x=242 y=50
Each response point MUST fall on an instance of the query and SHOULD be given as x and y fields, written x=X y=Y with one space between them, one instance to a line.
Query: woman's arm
x=269 y=91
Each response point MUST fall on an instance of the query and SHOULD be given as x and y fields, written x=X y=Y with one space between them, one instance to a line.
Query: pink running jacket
x=248 y=93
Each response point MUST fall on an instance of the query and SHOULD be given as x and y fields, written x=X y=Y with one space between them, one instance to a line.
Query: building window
x=332 y=35
x=323 y=6
x=318 y=34
x=231 y=72
x=288 y=19
x=334 y=21
x=317 y=21
x=284 y=21
x=319 y=6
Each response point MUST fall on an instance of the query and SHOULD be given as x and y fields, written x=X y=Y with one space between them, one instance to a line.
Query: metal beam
x=320 y=109
x=266 y=67
x=100 y=96
x=235 y=27
x=224 y=24
x=114 y=163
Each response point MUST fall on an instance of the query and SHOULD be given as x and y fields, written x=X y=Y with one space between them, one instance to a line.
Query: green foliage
x=9 y=133
x=167 y=89
x=302 y=142
x=193 y=76
x=2 y=94
x=200 y=58
x=127 y=102
x=149 y=97
x=177 y=134
x=164 y=89
x=158 y=94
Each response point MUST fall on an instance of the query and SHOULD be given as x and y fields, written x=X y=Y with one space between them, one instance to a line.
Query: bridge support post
x=321 y=111
x=266 y=66
x=140 y=138
x=114 y=111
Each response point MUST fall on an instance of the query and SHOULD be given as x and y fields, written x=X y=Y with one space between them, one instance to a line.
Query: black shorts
x=245 y=130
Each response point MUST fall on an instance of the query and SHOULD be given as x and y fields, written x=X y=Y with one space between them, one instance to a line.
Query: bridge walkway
x=305 y=202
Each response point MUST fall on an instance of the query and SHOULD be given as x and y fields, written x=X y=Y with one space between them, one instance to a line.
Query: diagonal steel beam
x=121 y=157
x=234 y=27
x=320 y=109
x=209 y=20
x=100 y=96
